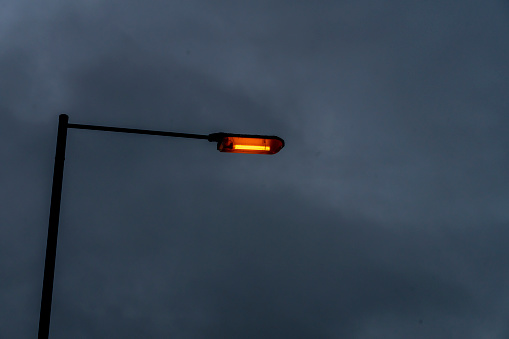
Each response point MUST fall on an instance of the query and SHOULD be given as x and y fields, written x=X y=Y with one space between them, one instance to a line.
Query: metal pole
x=139 y=131
x=54 y=214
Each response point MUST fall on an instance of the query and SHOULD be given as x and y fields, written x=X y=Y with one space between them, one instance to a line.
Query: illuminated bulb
x=252 y=147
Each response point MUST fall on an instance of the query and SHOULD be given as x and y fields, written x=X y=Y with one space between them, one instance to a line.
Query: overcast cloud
x=386 y=215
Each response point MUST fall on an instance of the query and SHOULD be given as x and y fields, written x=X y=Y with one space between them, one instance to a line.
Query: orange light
x=252 y=147
x=249 y=144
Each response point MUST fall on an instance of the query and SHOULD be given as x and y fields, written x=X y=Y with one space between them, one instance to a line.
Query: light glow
x=252 y=147
x=247 y=143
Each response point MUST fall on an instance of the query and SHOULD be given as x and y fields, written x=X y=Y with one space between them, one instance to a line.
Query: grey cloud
x=384 y=216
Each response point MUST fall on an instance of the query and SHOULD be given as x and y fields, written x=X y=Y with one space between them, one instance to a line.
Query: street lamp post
x=226 y=142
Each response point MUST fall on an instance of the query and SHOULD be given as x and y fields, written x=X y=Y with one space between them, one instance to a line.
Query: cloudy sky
x=385 y=216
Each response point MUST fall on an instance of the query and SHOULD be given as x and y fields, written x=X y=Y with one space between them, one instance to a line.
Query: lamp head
x=247 y=143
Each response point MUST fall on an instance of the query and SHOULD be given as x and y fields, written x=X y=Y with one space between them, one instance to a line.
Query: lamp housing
x=247 y=143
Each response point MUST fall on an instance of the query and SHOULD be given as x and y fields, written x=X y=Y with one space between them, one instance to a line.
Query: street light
x=226 y=142
x=250 y=144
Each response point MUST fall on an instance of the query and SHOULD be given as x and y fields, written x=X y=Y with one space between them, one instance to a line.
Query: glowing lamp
x=245 y=143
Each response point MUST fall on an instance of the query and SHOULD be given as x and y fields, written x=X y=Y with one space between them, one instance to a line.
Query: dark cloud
x=384 y=216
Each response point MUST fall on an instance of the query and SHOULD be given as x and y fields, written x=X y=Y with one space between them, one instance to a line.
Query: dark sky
x=385 y=216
